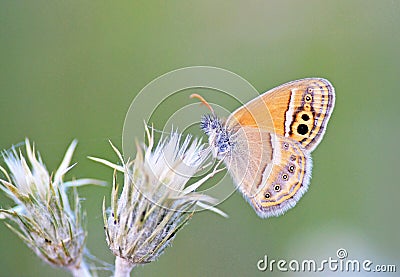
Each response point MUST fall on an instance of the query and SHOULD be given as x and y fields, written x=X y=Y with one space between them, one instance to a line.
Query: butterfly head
x=218 y=135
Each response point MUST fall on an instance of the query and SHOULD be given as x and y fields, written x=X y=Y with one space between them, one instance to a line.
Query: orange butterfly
x=266 y=143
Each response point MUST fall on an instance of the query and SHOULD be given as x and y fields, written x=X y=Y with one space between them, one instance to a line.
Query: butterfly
x=266 y=144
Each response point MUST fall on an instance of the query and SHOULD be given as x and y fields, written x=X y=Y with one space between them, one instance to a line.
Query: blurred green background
x=70 y=69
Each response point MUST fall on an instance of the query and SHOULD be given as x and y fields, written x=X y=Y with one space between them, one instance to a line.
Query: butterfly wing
x=271 y=171
x=299 y=110
x=250 y=159
x=287 y=181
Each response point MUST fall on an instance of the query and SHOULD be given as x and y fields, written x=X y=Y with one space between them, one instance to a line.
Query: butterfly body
x=266 y=144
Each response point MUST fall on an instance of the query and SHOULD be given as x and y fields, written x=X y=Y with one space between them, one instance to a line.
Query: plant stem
x=123 y=268
x=80 y=271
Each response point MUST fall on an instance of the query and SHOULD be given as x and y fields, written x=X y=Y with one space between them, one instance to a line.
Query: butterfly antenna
x=203 y=101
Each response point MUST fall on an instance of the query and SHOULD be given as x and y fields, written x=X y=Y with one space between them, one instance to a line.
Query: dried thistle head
x=155 y=202
x=42 y=217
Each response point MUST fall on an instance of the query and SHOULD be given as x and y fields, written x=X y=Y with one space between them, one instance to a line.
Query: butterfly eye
x=305 y=117
x=277 y=188
x=302 y=129
x=307 y=107
x=285 y=145
x=285 y=177
x=291 y=168
x=267 y=195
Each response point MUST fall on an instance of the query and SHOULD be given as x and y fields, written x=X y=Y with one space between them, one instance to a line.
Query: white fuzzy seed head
x=43 y=218
x=155 y=202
